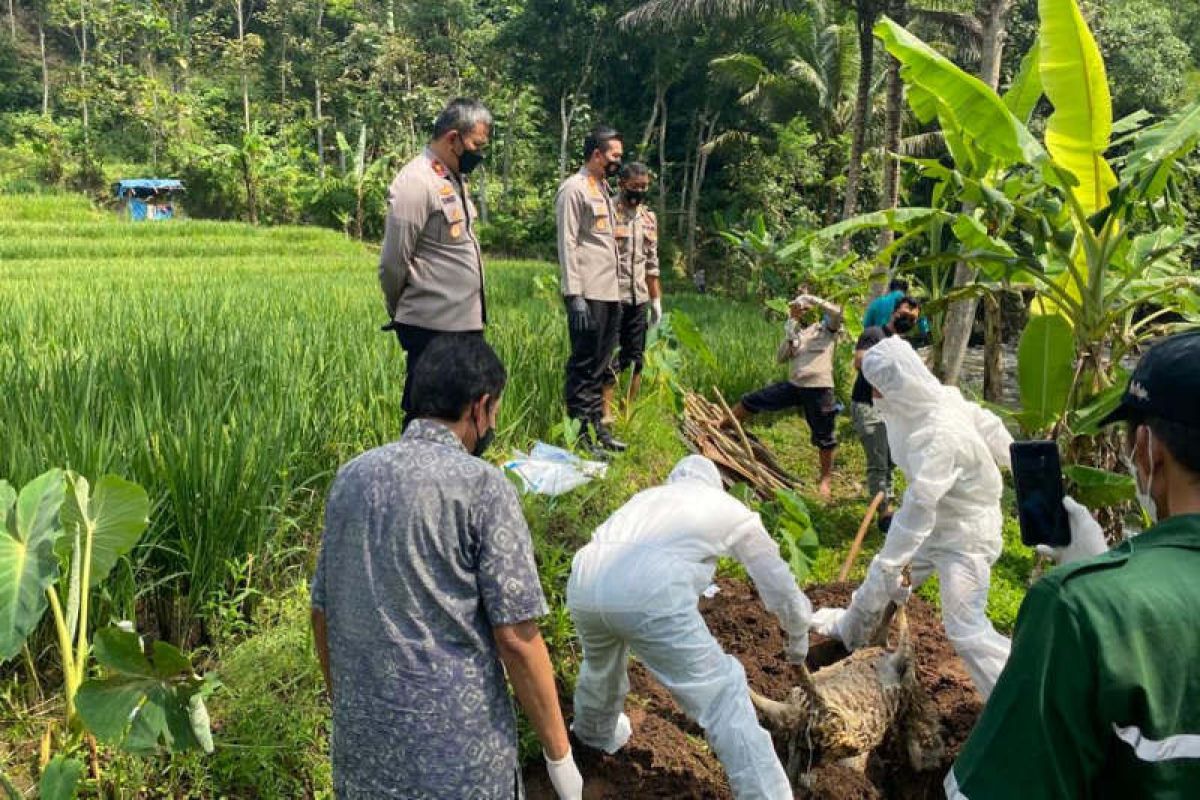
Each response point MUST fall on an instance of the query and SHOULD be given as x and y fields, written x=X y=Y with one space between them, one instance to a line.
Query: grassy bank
x=230 y=370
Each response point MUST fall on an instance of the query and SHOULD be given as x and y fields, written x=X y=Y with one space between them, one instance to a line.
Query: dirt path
x=668 y=758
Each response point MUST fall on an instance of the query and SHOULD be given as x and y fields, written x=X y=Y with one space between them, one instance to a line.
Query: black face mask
x=482 y=443
x=634 y=198
x=903 y=324
x=611 y=168
x=469 y=160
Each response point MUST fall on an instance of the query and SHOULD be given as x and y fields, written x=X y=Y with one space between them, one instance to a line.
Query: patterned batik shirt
x=425 y=550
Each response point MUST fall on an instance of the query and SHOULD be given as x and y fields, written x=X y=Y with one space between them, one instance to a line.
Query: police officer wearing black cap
x=1101 y=694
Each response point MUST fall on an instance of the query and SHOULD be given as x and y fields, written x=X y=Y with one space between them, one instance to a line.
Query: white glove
x=825 y=621
x=1087 y=537
x=565 y=777
x=797 y=648
x=655 y=312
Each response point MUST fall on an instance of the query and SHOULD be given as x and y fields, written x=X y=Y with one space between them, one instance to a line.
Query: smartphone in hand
x=1037 y=474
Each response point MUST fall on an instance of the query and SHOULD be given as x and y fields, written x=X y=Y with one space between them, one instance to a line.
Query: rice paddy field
x=230 y=370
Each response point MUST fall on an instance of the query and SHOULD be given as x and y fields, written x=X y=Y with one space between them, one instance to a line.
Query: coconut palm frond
x=667 y=13
x=727 y=138
x=964 y=29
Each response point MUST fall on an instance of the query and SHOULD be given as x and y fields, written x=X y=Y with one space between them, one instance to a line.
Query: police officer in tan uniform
x=431 y=268
x=637 y=277
x=587 y=257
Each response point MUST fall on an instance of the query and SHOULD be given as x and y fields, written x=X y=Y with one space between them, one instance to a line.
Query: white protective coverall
x=949 y=520
x=636 y=587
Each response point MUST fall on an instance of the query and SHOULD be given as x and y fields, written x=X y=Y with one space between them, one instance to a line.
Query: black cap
x=1165 y=384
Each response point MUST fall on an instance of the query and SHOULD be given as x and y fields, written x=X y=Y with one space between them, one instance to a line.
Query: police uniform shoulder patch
x=456 y=230
x=446 y=190
x=439 y=169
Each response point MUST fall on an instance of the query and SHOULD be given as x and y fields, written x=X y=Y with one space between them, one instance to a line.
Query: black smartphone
x=1037 y=475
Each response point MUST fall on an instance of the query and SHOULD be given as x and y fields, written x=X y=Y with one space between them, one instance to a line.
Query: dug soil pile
x=667 y=756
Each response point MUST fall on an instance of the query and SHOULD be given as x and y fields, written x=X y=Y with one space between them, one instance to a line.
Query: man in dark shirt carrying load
x=426 y=595
x=1101 y=694
x=867 y=420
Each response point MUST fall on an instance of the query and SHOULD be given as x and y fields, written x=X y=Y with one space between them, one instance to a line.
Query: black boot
x=605 y=439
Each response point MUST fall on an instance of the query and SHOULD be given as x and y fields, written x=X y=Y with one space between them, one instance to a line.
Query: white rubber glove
x=565 y=777
x=797 y=648
x=825 y=621
x=621 y=735
x=1087 y=537
x=655 y=312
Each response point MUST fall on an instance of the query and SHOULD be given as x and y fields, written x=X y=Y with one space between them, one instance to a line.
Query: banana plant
x=1101 y=248
x=59 y=539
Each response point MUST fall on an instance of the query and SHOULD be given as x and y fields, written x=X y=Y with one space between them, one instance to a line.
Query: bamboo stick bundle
x=712 y=431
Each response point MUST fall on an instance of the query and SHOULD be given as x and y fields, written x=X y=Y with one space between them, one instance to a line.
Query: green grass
x=231 y=369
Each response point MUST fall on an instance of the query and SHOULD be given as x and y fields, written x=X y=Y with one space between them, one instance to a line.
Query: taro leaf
x=116 y=512
x=796 y=529
x=121 y=651
x=1045 y=363
x=60 y=778
x=144 y=704
x=1098 y=487
x=28 y=565
x=691 y=340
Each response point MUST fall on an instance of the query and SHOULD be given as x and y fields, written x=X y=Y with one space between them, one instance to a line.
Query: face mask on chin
x=1144 y=497
x=634 y=198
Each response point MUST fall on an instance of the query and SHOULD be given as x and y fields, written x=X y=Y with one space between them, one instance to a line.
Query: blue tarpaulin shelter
x=148 y=198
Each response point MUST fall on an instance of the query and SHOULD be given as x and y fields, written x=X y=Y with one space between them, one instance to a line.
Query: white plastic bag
x=552 y=471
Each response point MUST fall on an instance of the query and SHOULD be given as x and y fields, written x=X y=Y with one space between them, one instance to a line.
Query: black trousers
x=632 y=339
x=415 y=340
x=589 y=364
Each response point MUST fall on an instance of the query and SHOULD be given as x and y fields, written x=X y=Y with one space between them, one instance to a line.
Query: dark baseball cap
x=1165 y=384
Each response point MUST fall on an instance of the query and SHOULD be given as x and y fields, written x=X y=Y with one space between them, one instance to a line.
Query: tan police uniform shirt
x=810 y=350
x=587 y=250
x=637 y=243
x=431 y=268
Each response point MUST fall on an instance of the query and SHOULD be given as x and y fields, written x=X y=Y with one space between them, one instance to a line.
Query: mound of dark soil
x=667 y=756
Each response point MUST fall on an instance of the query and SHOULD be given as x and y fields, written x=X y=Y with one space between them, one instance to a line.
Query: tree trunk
x=45 y=69
x=960 y=316
x=241 y=27
x=993 y=374
x=893 y=119
x=865 y=21
x=320 y=128
x=564 y=136
x=704 y=133
x=644 y=142
x=661 y=93
x=83 y=88
x=12 y=20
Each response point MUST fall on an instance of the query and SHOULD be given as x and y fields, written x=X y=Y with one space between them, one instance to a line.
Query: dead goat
x=844 y=711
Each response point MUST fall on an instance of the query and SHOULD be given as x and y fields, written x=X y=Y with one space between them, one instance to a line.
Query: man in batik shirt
x=426 y=593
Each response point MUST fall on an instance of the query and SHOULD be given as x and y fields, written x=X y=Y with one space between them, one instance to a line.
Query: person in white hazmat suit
x=635 y=587
x=949 y=520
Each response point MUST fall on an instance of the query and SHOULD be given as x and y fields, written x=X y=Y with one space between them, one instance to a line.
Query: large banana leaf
x=29 y=527
x=1026 y=89
x=1161 y=144
x=962 y=102
x=116 y=514
x=1073 y=78
x=1045 y=369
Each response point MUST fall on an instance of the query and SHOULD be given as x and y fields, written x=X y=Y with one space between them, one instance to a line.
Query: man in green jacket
x=1101 y=694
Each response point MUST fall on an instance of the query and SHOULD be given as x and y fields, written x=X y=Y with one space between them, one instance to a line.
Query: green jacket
x=1101 y=695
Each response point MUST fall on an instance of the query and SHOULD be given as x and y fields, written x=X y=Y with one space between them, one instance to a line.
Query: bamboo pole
x=862 y=534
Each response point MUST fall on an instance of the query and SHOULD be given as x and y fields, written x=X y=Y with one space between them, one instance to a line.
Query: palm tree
x=808 y=69
x=673 y=12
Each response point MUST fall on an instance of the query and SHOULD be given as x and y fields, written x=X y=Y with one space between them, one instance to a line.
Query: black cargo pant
x=414 y=339
x=632 y=339
x=589 y=364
